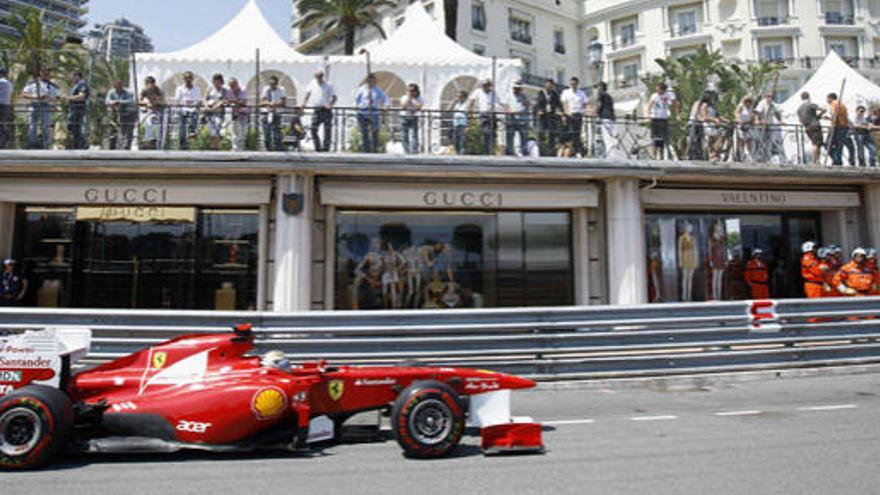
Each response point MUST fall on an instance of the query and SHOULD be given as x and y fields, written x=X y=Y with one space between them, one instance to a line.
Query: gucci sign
x=465 y=199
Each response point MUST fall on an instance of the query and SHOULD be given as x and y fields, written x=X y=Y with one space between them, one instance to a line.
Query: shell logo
x=269 y=403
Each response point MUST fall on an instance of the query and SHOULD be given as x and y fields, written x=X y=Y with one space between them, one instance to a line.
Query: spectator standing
x=745 y=128
x=605 y=114
x=273 y=99
x=5 y=109
x=839 y=132
x=411 y=103
x=863 y=125
x=76 y=111
x=517 y=120
x=548 y=107
x=770 y=142
x=485 y=102
x=297 y=131
x=187 y=98
x=13 y=286
x=42 y=94
x=712 y=124
x=123 y=111
x=574 y=103
x=153 y=101
x=459 y=110
x=370 y=100
x=215 y=106
x=697 y=119
x=237 y=101
x=809 y=115
x=325 y=99
x=659 y=108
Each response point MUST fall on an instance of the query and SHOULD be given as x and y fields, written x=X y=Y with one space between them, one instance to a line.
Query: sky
x=176 y=24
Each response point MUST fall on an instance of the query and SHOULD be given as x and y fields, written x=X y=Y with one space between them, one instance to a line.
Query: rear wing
x=42 y=356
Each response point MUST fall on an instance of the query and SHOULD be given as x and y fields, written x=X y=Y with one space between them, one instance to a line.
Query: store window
x=414 y=260
x=139 y=257
x=694 y=257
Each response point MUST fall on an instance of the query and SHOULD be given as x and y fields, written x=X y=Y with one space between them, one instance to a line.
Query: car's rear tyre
x=35 y=422
x=427 y=419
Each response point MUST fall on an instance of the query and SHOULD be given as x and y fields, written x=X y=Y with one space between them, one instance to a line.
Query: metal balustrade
x=545 y=343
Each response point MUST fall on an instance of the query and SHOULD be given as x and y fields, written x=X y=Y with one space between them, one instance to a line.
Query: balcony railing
x=620 y=42
x=773 y=20
x=684 y=30
x=839 y=18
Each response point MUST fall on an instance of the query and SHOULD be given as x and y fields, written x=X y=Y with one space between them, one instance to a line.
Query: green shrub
x=356 y=144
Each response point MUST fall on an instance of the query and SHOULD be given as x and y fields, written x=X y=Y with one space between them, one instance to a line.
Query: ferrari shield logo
x=159 y=360
x=292 y=204
x=335 y=389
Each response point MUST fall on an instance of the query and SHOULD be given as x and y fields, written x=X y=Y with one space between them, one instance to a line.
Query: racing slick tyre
x=35 y=422
x=427 y=419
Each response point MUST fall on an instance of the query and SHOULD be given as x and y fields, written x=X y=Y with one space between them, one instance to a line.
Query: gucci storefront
x=175 y=244
x=434 y=245
x=699 y=241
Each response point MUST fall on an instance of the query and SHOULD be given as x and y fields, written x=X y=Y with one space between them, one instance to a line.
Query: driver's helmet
x=276 y=359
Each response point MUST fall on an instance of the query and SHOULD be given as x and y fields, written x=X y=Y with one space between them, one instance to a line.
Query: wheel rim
x=20 y=431
x=431 y=421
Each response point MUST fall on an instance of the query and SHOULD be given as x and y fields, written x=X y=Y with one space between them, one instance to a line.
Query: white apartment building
x=620 y=40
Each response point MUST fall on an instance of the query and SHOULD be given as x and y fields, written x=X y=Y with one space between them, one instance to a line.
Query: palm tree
x=35 y=44
x=345 y=15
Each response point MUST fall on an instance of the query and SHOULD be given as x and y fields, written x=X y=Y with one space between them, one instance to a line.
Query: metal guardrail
x=544 y=343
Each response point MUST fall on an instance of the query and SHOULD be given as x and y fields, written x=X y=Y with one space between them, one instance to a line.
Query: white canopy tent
x=828 y=79
x=418 y=51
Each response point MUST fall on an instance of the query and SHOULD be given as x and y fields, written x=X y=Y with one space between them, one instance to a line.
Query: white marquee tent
x=418 y=51
x=828 y=79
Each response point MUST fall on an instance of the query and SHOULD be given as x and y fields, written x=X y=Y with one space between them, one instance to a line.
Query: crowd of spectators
x=553 y=122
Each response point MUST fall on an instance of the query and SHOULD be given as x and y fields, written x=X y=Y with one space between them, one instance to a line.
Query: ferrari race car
x=211 y=392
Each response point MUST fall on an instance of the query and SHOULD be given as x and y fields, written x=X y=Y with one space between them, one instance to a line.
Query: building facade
x=69 y=14
x=341 y=232
x=119 y=39
x=556 y=39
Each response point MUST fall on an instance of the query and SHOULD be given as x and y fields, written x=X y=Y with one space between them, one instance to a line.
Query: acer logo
x=192 y=426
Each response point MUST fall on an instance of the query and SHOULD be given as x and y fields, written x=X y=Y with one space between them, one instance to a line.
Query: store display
x=687 y=260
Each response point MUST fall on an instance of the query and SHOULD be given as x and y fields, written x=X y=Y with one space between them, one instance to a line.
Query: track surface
x=812 y=435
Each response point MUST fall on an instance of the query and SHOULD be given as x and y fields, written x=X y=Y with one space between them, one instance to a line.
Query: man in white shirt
x=5 y=108
x=324 y=99
x=659 y=108
x=574 y=103
x=485 y=102
x=42 y=94
x=187 y=98
x=272 y=101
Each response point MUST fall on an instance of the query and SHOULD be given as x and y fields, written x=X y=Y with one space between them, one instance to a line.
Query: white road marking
x=653 y=418
x=751 y=412
x=570 y=422
x=828 y=408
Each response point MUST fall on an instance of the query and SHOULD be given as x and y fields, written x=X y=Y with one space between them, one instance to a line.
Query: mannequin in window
x=654 y=267
x=717 y=259
x=687 y=260
x=392 y=265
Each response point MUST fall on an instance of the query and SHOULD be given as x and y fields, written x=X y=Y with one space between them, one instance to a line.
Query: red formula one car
x=210 y=392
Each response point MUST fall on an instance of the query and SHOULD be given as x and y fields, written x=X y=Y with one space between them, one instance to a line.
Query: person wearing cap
x=5 y=108
x=757 y=275
x=810 y=272
x=836 y=256
x=13 y=286
x=517 y=120
x=485 y=102
x=548 y=108
x=855 y=278
x=826 y=267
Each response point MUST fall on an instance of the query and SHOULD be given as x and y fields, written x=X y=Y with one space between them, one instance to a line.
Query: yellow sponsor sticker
x=335 y=389
x=159 y=359
x=269 y=403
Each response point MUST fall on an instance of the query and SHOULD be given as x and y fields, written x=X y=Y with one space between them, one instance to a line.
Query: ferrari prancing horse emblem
x=159 y=360
x=335 y=388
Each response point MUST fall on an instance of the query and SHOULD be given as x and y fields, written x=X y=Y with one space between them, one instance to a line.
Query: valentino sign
x=128 y=196
x=465 y=199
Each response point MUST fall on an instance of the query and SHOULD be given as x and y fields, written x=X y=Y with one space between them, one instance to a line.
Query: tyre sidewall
x=55 y=414
x=408 y=400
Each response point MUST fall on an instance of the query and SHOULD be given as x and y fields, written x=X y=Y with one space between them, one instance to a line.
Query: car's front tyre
x=428 y=419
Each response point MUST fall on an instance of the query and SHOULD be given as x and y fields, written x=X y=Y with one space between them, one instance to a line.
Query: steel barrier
x=544 y=343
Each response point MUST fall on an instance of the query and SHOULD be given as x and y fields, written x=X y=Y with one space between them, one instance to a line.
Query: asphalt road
x=794 y=436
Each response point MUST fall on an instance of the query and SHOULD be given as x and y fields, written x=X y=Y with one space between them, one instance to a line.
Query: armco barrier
x=545 y=343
